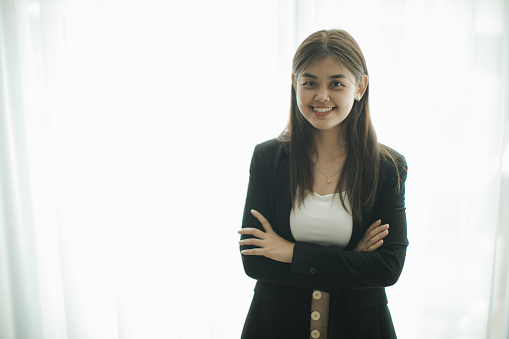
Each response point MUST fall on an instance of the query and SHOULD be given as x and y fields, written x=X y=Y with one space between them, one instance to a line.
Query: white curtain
x=126 y=130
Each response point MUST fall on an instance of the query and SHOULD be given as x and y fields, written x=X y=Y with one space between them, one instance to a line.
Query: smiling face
x=326 y=92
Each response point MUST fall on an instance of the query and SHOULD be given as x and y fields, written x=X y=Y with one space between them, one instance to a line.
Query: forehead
x=326 y=67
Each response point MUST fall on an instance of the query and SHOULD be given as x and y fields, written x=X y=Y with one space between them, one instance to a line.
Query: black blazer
x=281 y=305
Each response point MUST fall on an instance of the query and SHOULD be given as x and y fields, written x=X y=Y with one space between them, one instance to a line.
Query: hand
x=372 y=239
x=270 y=244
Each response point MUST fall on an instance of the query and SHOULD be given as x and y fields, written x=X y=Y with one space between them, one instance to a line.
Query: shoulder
x=269 y=155
x=270 y=146
x=273 y=149
x=392 y=164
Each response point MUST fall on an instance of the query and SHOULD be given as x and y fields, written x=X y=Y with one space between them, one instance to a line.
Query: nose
x=323 y=94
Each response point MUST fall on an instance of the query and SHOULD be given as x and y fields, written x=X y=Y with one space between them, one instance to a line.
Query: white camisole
x=322 y=220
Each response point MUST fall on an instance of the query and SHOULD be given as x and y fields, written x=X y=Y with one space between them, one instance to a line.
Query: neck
x=330 y=144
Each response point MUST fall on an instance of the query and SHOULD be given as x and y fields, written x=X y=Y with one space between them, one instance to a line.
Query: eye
x=336 y=84
x=309 y=84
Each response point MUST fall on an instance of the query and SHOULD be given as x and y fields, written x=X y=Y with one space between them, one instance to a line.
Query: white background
x=138 y=125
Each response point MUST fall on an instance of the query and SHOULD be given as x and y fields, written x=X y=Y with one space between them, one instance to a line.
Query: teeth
x=322 y=110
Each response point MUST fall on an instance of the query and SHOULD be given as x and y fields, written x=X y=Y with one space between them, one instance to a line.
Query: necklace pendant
x=329 y=180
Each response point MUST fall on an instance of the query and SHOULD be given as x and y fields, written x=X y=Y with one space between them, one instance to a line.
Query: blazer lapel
x=369 y=218
x=283 y=201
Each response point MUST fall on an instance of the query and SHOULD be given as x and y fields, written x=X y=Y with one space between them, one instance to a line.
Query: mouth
x=322 y=111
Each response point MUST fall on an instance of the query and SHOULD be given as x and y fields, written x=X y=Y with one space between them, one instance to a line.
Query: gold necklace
x=329 y=180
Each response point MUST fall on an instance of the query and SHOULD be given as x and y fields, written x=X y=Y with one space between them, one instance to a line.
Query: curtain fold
x=18 y=262
x=498 y=327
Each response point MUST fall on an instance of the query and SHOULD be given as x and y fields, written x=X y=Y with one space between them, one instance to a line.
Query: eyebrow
x=335 y=76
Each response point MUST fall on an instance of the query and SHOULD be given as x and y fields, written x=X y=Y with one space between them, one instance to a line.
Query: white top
x=322 y=220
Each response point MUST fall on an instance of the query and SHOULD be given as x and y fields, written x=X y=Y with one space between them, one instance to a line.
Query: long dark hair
x=362 y=164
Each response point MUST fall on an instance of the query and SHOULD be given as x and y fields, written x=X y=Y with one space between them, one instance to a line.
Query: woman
x=321 y=197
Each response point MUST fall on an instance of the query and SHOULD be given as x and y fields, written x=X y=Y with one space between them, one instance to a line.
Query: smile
x=322 y=109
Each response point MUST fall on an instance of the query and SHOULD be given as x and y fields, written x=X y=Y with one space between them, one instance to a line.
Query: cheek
x=346 y=102
x=303 y=99
x=298 y=96
x=348 y=108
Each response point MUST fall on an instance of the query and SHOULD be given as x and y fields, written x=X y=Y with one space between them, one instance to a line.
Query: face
x=326 y=91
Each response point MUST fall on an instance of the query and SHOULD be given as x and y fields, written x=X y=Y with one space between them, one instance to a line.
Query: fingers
x=253 y=251
x=265 y=224
x=375 y=246
x=258 y=241
x=373 y=236
x=377 y=230
x=252 y=231
x=251 y=241
x=377 y=240
x=374 y=225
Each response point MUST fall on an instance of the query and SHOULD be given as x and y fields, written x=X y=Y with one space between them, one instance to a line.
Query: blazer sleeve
x=258 y=198
x=331 y=265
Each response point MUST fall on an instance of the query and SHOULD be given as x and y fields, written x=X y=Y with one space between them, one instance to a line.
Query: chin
x=324 y=127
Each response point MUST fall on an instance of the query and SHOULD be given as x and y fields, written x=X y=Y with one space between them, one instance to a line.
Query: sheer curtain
x=126 y=133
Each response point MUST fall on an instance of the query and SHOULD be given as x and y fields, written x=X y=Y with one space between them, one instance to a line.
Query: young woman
x=321 y=198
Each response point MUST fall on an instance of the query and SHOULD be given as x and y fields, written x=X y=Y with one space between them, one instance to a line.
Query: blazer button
x=315 y=315
x=317 y=295
x=315 y=334
x=312 y=270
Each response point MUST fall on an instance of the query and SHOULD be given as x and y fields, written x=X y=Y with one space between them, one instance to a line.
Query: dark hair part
x=362 y=164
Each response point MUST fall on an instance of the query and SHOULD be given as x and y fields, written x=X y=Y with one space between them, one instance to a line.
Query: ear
x=363 y=85
x=294 y=83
